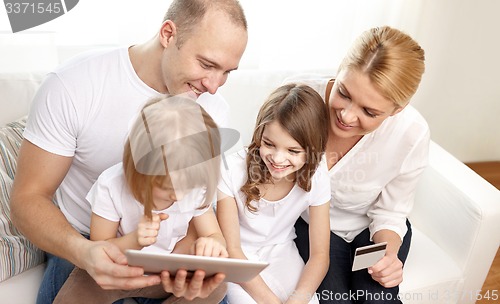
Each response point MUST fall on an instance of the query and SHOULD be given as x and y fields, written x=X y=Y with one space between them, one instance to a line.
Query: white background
x=459 y=94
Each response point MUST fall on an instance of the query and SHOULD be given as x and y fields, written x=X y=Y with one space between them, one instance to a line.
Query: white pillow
x=17 y=254
x=17 y=90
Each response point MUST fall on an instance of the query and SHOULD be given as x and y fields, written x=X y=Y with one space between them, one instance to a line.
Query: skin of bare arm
x=185 y=246
x=210 y=241
x=102 y=229
x=389 y=270
x=227 y=214
x=38 y=175
x=203 y=237
x=319 y=259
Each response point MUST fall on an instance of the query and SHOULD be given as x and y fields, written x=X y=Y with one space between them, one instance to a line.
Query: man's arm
x=39 y=173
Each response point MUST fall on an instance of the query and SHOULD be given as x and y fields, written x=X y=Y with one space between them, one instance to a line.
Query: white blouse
x=373 y=185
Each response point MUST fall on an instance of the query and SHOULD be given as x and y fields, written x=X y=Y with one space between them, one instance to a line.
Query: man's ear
x=167 y=32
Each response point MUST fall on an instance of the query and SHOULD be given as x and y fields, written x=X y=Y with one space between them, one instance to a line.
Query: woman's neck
x=338 y=147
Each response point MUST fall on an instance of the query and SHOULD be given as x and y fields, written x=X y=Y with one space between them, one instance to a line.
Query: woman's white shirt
x=374 y=184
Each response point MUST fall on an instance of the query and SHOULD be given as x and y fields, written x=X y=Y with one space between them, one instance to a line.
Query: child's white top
x=111 y=199
x=274 y=221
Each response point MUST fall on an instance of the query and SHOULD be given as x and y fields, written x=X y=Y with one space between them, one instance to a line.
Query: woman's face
x=356 y=108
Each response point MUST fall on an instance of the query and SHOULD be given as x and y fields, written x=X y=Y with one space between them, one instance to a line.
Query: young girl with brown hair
x=267 y=187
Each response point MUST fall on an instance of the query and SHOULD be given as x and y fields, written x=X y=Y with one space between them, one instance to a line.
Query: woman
x=376 y=150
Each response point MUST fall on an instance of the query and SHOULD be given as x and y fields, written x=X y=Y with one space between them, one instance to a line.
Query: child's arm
x=227 y=214
x=102 y=229
x=317 y=265
x=210 y=241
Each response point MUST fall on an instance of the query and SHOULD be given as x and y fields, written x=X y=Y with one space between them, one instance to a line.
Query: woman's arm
x=390 y=212
x=227 y=215
x=389 y=270
x=319 y=258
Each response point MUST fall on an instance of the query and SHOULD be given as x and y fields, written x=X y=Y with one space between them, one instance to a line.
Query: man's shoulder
x=95 y=57
x=216 y=100
x=112 y=175
x=217 y=106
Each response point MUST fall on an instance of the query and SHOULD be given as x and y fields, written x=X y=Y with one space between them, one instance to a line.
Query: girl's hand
x=147 y=230
x=388 y=271
x=208 y=246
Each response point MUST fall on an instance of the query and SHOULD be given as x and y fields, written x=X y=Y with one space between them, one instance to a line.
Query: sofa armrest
x=459 y=211
x=23 y=288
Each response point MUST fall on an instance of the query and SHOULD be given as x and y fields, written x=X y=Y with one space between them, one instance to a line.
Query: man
x=78 y=124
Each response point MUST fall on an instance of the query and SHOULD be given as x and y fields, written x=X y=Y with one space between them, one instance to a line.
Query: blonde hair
x=172 y=141
x=300 y=110
x=393 y=61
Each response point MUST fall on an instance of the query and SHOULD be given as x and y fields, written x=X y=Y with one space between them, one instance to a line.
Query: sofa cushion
x=17 y=254
x=17 y=90
x=430 y=275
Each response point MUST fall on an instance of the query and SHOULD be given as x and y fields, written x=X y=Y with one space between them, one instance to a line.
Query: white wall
x=459 y=94
x=460 y=91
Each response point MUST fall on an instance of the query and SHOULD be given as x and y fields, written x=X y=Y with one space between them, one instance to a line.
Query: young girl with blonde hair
x=167 y=179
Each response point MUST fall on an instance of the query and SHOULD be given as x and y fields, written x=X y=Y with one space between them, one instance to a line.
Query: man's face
x=209 y=53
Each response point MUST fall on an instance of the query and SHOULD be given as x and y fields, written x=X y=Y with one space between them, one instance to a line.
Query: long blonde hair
x=393 y=61
x=300 y=110
x=172 y=141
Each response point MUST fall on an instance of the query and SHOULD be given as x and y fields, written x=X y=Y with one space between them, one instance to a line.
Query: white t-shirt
x=83 y=110
x=373 y=185
x=111 y=199
x=274 y=221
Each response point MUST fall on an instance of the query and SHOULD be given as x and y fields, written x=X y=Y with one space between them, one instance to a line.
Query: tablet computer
x=236 y=270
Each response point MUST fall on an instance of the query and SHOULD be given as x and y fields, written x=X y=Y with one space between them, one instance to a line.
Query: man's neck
x=145 y=59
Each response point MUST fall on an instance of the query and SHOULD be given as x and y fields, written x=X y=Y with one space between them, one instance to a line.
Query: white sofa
x=456 y=218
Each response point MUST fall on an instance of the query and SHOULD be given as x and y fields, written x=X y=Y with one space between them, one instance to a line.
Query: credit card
x=368 y=256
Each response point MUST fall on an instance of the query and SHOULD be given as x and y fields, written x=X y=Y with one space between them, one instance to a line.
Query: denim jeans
x=157 y=301
x=57 y=272
x=55 y=275
x=341 y=285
